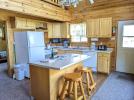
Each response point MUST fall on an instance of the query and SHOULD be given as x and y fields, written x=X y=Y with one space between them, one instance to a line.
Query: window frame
x=127 y=36
x=79 y=36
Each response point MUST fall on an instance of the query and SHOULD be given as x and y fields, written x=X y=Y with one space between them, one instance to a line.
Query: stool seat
x=72 y=81
x=85 y=69
x=73 y=76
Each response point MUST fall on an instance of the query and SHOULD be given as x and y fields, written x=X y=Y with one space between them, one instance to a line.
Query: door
x=35 y=39
x=125 y=47
x=20 y=47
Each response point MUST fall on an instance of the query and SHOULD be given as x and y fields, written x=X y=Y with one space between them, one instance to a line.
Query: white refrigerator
x=29 y=46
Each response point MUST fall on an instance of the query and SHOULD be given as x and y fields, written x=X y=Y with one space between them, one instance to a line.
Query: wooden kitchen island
x=47 y=77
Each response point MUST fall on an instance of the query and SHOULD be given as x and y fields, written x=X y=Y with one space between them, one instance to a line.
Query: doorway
x=125 y=47
x=3 y=47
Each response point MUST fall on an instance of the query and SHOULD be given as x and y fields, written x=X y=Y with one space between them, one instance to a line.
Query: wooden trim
x=52 y=2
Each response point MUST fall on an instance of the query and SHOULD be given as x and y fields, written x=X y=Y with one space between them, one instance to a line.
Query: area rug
x=118 y=86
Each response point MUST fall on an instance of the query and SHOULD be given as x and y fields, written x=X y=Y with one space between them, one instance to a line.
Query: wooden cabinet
x=103 y=62
x=93 y=28
x=65 y=30
x=101 y=27
x=58 y=30
x=30 y=24
x=22 y=23
x=50 y=30
x=105 y=27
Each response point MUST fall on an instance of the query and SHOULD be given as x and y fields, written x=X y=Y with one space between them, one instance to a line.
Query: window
x=1 y=33
x=128 y=36
x=78 y=32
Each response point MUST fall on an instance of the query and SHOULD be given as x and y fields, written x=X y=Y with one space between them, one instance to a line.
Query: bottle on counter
x=52 y=53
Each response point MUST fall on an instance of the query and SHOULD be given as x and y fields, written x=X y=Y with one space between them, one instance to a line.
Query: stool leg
x=63 y=92
x=93 y=84
x=70 y=87
x=75 y=90
x=82 y=90
x=91 y=78
x=88 y=85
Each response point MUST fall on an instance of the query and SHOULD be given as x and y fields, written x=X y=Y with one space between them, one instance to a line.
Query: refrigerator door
x=21 y=47
x=35 y=39
x=36 y=53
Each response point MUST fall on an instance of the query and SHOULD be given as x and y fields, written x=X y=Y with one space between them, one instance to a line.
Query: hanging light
x=69 y=2
x=91 y=1
x=72 y=2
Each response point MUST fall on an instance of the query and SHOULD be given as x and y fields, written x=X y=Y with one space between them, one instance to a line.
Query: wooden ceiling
x=85 y=6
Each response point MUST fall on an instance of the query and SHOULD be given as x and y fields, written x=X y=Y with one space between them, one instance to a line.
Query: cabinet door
x=56 y=30
x=93 y=27
x=30 y=24
x=20 y=23
x=103 y=64
x=65 y=30
x=105 y=27
x=50 y=30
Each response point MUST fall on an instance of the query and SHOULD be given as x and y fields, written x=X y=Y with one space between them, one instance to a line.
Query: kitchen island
x=47 y=76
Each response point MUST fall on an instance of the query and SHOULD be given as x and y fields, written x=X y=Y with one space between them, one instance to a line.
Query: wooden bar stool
x=72 y=80
x=89 y=79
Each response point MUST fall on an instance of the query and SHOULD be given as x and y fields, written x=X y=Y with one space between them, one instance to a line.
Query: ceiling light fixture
x=72 y=2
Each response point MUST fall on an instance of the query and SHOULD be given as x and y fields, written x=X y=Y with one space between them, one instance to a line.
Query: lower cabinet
x=104 y=63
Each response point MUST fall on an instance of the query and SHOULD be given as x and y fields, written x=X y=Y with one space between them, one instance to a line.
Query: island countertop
x=62 y=61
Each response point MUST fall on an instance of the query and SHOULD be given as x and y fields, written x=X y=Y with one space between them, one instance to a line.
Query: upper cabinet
x=101 y=27
x=65 y=30
x=105 y=27
x=93 y=28
x=22 y=23
x=58 y=30
x=25 y=23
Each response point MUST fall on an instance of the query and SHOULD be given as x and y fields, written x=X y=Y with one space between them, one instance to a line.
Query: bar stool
x=89 y=79
x=72 y=80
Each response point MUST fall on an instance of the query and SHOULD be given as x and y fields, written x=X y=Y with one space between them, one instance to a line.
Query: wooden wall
x=117 y=13
x=36 y=8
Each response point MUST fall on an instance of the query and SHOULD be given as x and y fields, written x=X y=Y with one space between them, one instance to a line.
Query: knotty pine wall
x=117 y=14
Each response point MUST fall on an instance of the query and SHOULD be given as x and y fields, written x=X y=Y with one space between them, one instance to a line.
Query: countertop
x=62 y=61
x=83 y=49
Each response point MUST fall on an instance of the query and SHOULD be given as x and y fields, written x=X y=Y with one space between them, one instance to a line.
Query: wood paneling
x=36 y=8
x=117 y=13
x=85 y=6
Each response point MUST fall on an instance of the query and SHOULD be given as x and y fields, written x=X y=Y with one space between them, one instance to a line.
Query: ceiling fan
x=73 y=2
